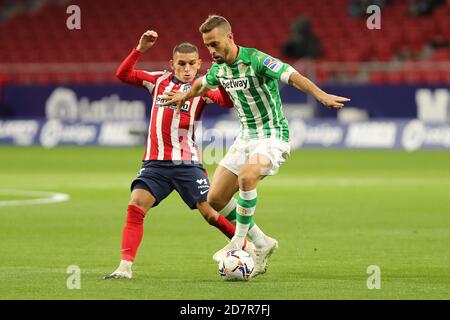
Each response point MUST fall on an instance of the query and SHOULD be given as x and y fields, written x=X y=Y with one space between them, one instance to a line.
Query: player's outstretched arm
x=179 y=98
x=304 y=84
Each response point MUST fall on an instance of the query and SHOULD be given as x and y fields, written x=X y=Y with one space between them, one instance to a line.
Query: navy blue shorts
x=160 y=178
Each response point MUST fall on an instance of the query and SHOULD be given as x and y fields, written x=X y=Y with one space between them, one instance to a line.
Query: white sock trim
x=229 y=207
x=248 y=195
x=241 y=230
x=126 y=263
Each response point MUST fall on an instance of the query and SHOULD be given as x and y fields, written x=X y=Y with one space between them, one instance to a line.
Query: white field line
x=351 y=182
x=42 y=197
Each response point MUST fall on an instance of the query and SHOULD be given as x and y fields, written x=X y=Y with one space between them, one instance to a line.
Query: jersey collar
x=242 y=56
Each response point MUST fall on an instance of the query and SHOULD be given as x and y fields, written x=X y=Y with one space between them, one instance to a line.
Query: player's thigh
x=224 y=185
x=154 y=181
x=142 y=199
x=192 y=184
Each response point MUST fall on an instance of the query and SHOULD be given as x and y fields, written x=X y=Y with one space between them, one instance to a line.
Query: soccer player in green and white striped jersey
x=250 y=77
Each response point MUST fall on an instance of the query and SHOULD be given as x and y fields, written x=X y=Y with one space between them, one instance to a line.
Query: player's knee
x=247 y=179
x=142 y=199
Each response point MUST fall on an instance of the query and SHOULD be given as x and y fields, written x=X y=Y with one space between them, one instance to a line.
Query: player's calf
x=141 y=201
x=216 y=220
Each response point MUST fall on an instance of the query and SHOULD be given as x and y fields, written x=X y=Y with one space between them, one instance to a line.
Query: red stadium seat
x=415 y=77
x=434 y=77
x=111 y=27
x=378 y=77
x=395 y=77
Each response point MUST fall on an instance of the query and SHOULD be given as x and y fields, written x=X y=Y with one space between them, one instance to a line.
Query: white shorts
x=242 y=150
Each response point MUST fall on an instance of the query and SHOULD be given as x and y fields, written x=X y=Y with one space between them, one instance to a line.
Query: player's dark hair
x=185 y=47
x=214 y=21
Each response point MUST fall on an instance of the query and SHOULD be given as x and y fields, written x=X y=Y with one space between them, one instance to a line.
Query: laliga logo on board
x=63 y=104
x=55 y=132
x=414 y=135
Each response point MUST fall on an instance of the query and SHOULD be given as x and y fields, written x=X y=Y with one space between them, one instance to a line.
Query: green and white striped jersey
x=252 y=83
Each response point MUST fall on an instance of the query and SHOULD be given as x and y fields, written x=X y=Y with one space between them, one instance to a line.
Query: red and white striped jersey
x=170 y=134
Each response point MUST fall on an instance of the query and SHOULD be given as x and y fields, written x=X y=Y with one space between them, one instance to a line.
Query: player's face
x=218 y=42
x=185 y=65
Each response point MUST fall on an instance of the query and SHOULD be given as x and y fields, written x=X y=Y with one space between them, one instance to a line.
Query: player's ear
x=231 y=36
x=199 y=63
x=171 y=65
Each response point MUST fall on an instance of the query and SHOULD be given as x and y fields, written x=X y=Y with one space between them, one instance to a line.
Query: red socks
x=225 y=226
x=132 y=233
x=134 y=229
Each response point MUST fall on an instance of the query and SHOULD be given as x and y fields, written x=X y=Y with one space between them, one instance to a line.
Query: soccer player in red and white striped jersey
x=171 y=159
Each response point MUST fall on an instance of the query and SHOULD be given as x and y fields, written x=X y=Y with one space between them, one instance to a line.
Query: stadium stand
x=37 y=47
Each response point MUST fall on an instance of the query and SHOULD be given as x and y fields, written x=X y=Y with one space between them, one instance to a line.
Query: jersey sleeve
x=210 y=80
x=128 y=74
x=270 y=67
x=218 y=96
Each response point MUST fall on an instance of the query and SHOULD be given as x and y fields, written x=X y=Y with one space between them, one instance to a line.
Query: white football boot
x=248 y=247
x=122 y=272
x=263 y=255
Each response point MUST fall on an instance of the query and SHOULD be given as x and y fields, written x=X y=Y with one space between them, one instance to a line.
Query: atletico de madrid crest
x=185 y=87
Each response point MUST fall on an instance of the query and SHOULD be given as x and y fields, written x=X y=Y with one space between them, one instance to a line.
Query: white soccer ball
x=237 y=265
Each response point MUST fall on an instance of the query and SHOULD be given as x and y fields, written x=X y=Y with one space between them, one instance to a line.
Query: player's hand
x=147 y=40
x=175 y=98
x=333 y=102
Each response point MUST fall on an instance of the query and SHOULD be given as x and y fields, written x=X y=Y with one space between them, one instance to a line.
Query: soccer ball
x=237 y=265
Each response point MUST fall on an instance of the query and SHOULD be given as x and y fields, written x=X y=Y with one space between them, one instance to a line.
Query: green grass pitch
x=334 y=213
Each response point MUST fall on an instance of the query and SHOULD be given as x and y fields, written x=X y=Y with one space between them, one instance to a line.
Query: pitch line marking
x=44 y=198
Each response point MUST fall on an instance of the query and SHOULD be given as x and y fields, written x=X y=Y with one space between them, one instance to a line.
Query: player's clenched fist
x=147 y=40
